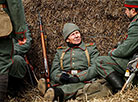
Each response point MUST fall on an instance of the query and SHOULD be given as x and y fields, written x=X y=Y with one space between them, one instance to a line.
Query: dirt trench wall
x=100 y=21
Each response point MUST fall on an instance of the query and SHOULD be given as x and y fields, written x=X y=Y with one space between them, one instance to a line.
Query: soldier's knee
x=18 y=58
x=99 y=59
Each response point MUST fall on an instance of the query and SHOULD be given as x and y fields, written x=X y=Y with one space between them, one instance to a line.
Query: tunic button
x=73 y=63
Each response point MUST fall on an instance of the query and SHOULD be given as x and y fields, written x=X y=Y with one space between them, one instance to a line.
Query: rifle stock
x=44 y=52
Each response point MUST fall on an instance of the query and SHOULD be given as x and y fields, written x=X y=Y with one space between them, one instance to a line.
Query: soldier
x=73 y=67
x=18 y=69
x=12 y=24
x=113 y=66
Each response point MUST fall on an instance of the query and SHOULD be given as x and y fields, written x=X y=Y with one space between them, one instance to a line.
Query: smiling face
x=74 y=38
x=130 y=12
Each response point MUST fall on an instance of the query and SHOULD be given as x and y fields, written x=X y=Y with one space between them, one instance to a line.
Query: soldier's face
x=74 y=38
x=129 y=12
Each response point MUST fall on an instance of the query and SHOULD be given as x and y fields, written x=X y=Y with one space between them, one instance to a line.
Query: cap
x=68 y=29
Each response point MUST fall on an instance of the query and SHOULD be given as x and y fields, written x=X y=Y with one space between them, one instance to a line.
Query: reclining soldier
x=73 y=67
x=113 y=66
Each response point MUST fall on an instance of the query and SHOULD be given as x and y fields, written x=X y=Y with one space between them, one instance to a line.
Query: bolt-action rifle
x=43 y=38
x=133 y=66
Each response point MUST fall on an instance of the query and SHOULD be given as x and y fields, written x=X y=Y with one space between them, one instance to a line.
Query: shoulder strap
x=63 y=53
x=61 y=60
x=88 y=57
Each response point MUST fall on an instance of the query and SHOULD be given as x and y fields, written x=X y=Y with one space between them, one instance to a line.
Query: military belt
x=74 y=72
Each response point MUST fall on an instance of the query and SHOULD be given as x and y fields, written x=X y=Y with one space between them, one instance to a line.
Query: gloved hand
x=64 y=78
x=74 y=79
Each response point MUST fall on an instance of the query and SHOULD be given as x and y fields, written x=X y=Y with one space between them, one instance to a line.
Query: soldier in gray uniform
x=18 y=69
x=73 y=66
x=12 y=25
x=113 y=66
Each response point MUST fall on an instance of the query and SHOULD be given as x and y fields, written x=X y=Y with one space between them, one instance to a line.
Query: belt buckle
x=74 y=72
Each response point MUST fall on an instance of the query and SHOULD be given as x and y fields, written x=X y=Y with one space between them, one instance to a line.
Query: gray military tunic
x=119 y=57
x=14 y=9
x=18 y=68
x=74 y=59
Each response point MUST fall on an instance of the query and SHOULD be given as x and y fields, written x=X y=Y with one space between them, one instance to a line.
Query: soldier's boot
x=3 y=87
x=14 y=86
x=54 y=95
x=42 y=85
x=115 y=81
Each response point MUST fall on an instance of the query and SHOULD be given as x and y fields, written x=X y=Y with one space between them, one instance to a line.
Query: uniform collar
x=81 y=46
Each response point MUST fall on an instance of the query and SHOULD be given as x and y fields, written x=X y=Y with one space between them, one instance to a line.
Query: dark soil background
x=101 y=21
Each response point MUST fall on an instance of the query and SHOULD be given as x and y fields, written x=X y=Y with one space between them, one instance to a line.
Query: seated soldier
x=18 y=69
x=113 y=66
x=73 y=67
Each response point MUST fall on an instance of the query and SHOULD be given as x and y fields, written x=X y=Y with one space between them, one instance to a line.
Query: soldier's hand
x=74 y=79
x=64 y=78
x=22 y=41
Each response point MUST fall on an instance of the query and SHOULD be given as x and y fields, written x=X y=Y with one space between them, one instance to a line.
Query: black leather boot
x=115 y=81
x=59 y=95
x=14 y=86
x=3 y=87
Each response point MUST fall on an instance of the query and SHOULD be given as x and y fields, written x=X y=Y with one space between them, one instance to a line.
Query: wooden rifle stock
x=44 y=52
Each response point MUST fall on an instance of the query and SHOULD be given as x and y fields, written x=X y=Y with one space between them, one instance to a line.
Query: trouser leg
x=18 y=68
x=111 y=71
x=106 y=65
x=3 y=87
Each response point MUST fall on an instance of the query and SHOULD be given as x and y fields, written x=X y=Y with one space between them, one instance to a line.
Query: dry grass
x=33 y=95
